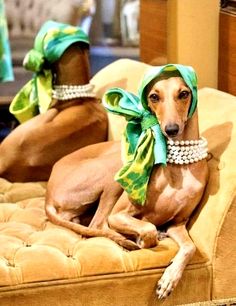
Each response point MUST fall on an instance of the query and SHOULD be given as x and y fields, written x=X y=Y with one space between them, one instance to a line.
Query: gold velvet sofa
x=44 y=264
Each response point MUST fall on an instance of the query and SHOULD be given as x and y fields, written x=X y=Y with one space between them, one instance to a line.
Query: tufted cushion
x=33 y=249
x=35 y=253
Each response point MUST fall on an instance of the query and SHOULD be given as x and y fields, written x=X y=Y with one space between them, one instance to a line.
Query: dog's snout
x=172 y=129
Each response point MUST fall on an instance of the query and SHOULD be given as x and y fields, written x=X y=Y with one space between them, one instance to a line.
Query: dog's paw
x=168 y=281
x=162 y=235
x=130 y=245
x=148 y=238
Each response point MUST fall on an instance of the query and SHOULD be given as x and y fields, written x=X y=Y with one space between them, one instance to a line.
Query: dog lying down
x=74 y=117
x=159 y=181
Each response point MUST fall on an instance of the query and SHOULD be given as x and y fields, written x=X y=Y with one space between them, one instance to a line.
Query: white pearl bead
x=67 y=92
x=185 y=152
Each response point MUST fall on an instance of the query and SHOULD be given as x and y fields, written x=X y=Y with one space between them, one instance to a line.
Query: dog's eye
x=184 y=94
x=154 y=98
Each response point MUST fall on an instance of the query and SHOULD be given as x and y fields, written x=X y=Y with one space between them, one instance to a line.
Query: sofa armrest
x=213 y=226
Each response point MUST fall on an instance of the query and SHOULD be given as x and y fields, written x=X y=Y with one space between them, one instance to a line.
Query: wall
x=192 y=37
x=227 y=52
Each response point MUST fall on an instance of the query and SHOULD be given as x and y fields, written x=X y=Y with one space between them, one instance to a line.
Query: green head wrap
x=50 y=43
x=143 y=143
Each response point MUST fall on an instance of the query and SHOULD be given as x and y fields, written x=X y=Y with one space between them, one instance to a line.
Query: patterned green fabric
x=6 y=70
x=49 y=45
x=143 y=143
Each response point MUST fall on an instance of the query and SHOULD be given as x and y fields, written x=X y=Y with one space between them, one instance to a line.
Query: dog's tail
x=55 y=218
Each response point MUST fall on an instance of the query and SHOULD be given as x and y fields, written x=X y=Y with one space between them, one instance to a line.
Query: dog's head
x=171 y=95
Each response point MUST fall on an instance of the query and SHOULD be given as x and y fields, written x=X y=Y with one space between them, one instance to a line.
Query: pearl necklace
x=186 y=151
x=68 y=92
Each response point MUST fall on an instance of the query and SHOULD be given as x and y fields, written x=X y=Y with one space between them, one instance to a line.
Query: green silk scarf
x=143 y=143
x=6 y=70
x=50 y=43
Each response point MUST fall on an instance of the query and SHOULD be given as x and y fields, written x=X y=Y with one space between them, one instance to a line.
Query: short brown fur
x=30 y=151
x=173 y=191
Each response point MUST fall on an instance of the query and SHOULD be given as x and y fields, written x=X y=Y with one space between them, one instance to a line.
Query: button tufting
x=70 y=256
x=10 y=264
x=27 y=244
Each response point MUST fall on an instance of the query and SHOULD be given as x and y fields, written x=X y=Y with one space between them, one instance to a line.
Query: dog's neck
x=73 y=67
x=191 y=130
x=188 y=148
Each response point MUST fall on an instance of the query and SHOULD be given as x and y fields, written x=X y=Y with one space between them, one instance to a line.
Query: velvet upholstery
x=44 y=264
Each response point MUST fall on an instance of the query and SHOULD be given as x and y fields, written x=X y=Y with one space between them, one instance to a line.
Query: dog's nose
x=172 y=129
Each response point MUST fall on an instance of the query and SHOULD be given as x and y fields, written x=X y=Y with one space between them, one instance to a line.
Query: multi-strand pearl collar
x=186 y=151
x=68 y=92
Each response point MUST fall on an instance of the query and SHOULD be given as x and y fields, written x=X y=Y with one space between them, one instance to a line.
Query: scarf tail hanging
x=134 y=175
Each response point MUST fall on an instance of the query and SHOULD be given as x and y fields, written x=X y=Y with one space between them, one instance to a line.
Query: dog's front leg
x=174 y=271
x=123 y=220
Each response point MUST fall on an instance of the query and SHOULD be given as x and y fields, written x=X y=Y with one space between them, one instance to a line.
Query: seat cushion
x=35 y=251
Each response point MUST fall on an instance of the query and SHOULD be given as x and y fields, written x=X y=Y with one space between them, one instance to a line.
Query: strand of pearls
x=186 y=151
x=68 y=92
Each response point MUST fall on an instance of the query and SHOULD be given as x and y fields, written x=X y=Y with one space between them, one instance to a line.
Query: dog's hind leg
x=106 y=203
x=174 y=271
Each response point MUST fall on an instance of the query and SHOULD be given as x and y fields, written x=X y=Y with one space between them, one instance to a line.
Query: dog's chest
x=172 y=192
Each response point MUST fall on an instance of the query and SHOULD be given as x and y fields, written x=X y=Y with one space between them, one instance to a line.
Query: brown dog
x=71 y=197
x=31 y=150
x=173 y=191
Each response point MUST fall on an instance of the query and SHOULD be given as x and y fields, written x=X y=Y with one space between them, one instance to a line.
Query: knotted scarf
x=143 y=143
x=50 y=43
